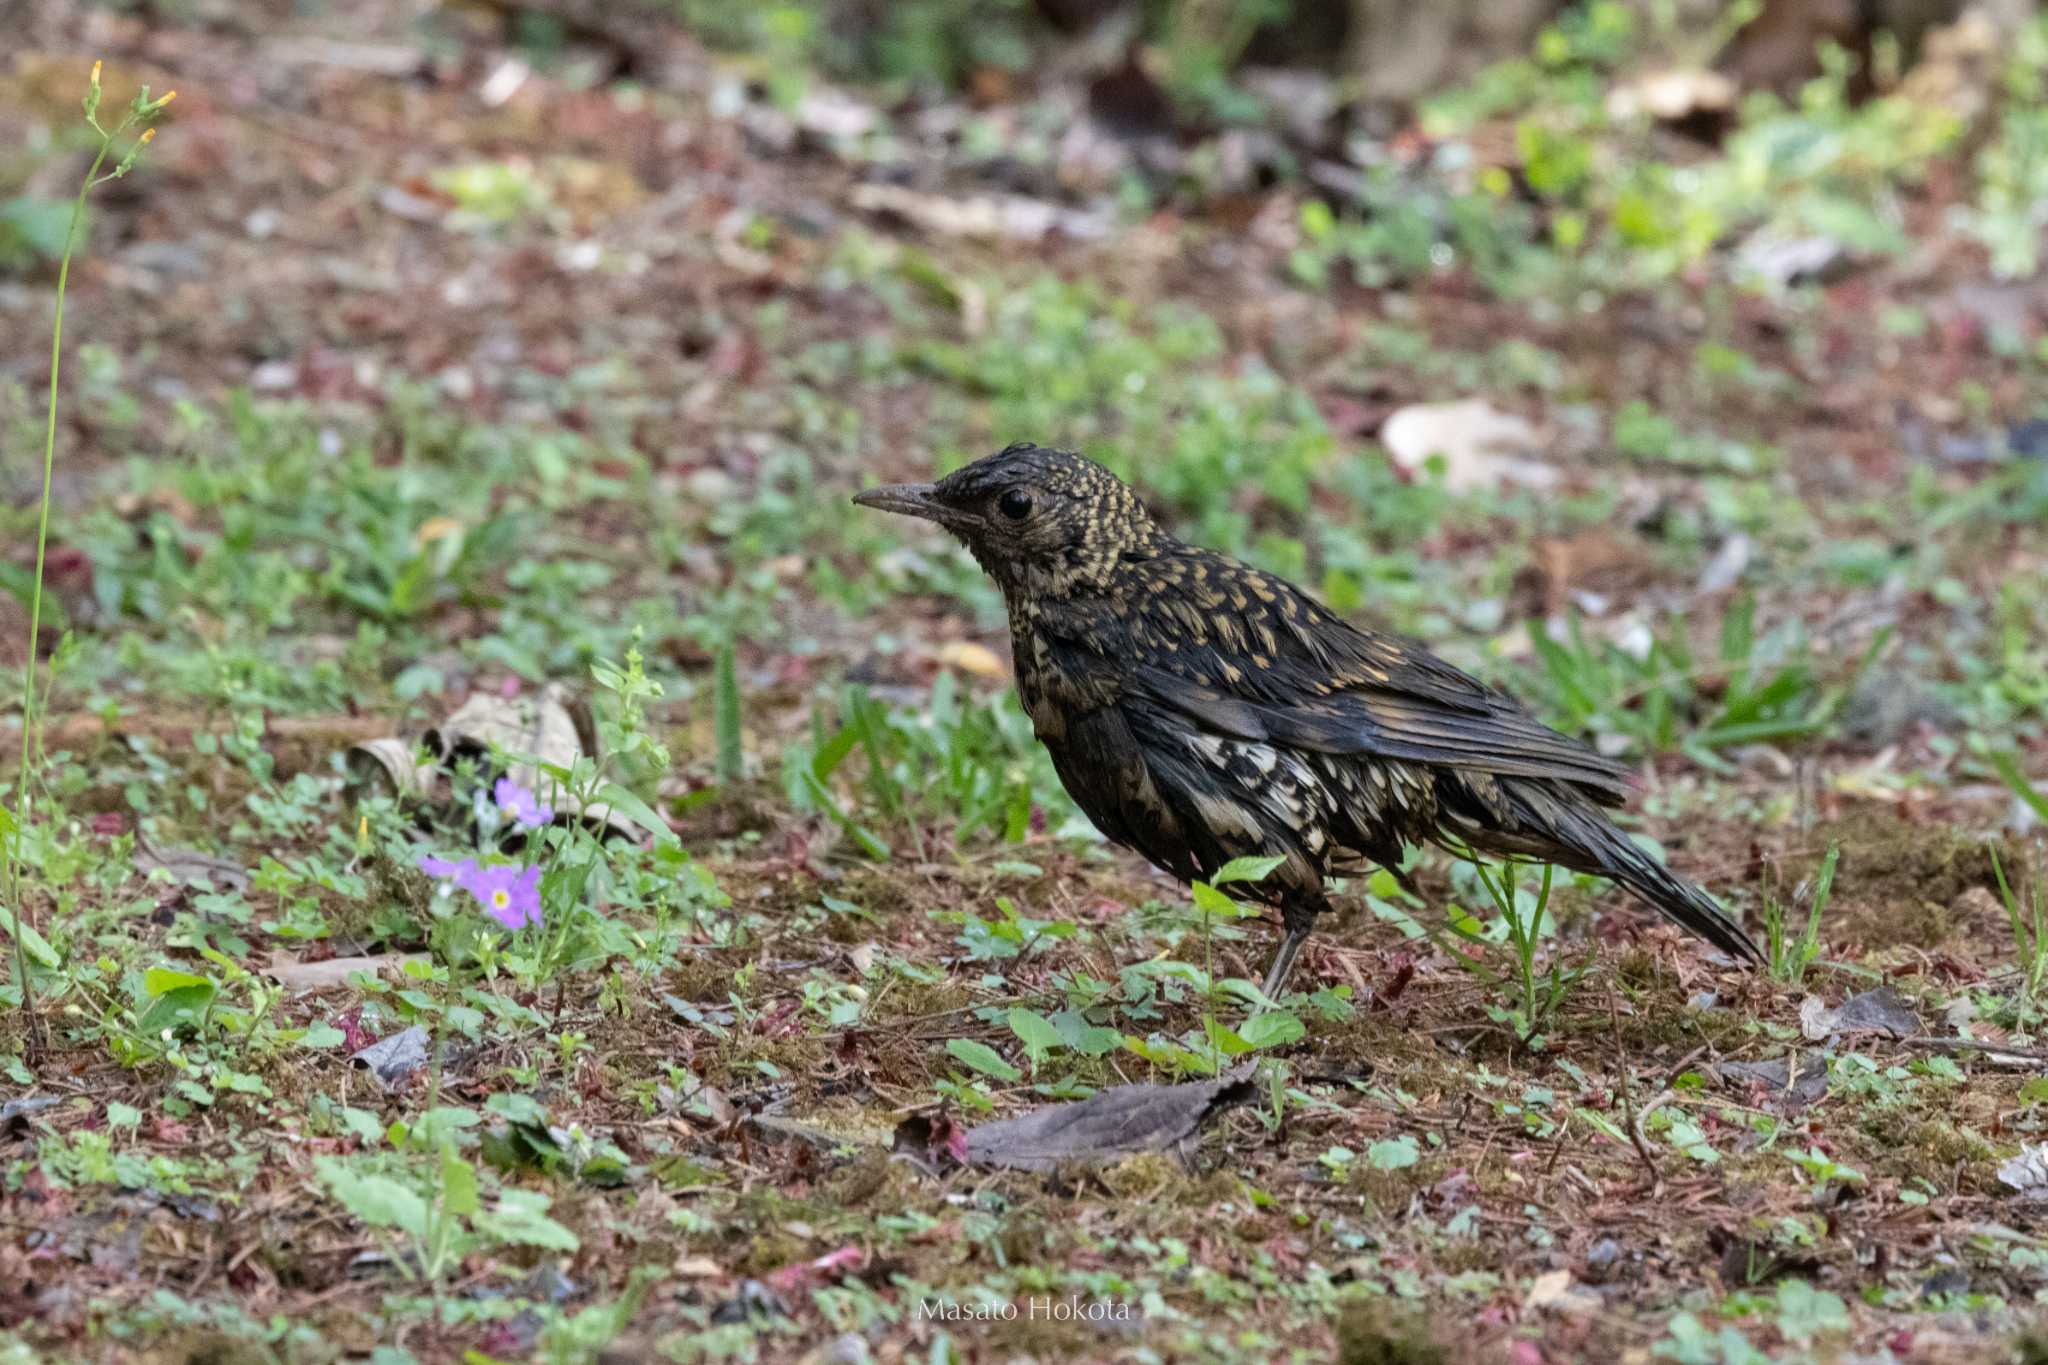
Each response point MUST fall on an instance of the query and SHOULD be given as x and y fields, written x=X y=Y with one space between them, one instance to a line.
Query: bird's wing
x=1249 y=656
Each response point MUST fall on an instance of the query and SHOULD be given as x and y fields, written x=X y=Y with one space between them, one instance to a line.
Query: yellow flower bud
x=148 y=133
x=96 y=72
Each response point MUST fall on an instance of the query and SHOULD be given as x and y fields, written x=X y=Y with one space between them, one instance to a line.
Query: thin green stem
x=35 y=609
x=1209 y=995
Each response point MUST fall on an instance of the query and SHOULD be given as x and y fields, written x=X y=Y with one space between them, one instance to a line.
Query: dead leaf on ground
x=191 y=867
x=544 y=727
x=1790 y=1086
x=1555 y=1292
x=824 y=1139
x=1674 y=96
x=393 y=1060
x=2027 y=1172
x=1880 y=1011
x=14 y=1115
x=1782 y=261
x=1008 y=217
x=551 y=726
x=1483 y=448
x=970 y=657
x=300 y=977
x=388 y=766
x=1121 y=1121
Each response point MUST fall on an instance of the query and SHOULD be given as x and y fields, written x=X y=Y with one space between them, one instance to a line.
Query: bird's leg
x=1299 y=918
x=1405 y=882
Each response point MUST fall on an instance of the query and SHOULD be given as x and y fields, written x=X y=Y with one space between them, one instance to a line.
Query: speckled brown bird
x=1198 y=709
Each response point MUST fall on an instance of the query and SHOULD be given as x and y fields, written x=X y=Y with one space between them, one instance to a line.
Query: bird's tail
x=1576 y=834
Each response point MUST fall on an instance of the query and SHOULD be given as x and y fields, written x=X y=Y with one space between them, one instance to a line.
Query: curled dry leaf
x=551 y=727
x=1782 y=261
x=2027 y=1173
x=387 y=767
x=969 y=657
x=393 y=1060
x=1674 y=96
x=15 y=1114
x=1483 y=448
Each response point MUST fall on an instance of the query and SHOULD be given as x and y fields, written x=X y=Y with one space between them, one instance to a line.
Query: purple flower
x=519 y=803
x=510 y=895
x=459 y=873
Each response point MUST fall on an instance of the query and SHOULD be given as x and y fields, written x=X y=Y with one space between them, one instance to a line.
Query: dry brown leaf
x=969 y=657
x=301 y=977
x=1482 y=447
x=1117 y=1122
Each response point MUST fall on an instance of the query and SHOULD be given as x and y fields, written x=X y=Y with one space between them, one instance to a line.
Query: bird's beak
x=910 y=499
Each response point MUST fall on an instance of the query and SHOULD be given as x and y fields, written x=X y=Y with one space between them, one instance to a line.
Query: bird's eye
x=1015 y=504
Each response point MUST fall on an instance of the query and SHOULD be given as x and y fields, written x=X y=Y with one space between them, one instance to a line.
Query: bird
x=1198 y=710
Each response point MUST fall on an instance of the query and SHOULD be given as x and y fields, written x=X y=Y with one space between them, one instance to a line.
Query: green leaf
x=32 y=224
x=834 y=751
x=366 y=1127
x=164 y=980
x=38 y=947
x=180 y=1000
x=1090 y=1040
x=2008 y=766
x=983 y=1058
x=521 y=1217
x=1224 y=1038
x=429 y=1130
x=1210 y=901
x=726 y=711
x=458 y=1183
x=1164 y=1052
x=1393 y=1154
x=1035 y=1031
x=517 y=1107
x=1273 y=1028
x=1246 y=869
x=1805 y=1312
x=1461 y=922
x=241 y=1082
x=625 y=804
x=376 y=1200
x=1600 y=1123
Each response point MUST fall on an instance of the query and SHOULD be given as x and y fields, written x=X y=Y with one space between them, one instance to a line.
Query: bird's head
x=1048 y=523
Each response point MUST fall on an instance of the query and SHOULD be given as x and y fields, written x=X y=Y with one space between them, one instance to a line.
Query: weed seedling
x=1790 y=958
x=135 y=126
x=2029 y=918
x=1535 y=996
